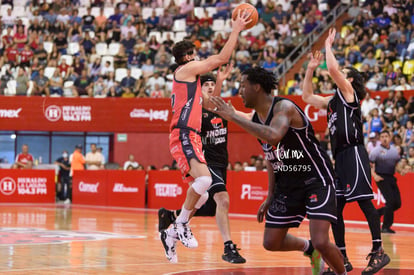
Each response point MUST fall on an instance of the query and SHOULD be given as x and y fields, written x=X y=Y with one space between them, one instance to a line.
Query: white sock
x=184 y=216
x=306 y=246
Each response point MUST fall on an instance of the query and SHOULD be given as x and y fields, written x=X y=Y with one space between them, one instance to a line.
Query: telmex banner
x=107 y=114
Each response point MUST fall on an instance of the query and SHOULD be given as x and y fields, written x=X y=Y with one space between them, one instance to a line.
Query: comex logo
x=53 y=113
x=7 y=186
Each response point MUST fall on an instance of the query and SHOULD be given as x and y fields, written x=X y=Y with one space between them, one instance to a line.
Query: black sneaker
x=347 y=264
x=165 y=218
x=231 y=255
x=387 y=231
x=377 y=260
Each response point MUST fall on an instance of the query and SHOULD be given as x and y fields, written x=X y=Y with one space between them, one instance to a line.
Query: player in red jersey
x=185 y=141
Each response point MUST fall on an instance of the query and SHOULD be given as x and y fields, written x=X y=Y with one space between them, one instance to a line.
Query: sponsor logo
x=27 y=236
x=10 y=113
x=24 y=186
x=314 y=116
x=171 y=190
x=379 y=198
x=151 y=114
x=88 y=187
x=54 y=113
x=313 y=198
x=255 y=193
x=121 y=188
x=7 y=186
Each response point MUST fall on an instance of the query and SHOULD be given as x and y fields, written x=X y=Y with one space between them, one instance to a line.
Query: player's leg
x=319 y=231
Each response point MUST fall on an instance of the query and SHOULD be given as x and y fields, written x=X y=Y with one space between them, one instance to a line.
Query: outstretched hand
x=222 y=75
x=331 y=38
x=241 y=20
x=315 y=60
x=223 y=109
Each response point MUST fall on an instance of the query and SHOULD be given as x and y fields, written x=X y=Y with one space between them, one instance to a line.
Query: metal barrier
x=307 y=43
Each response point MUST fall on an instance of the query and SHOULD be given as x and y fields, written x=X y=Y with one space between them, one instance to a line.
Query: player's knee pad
x=201 y=201
x=201 y=184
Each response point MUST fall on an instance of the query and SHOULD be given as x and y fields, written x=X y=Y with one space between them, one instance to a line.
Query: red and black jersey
x=186 y=102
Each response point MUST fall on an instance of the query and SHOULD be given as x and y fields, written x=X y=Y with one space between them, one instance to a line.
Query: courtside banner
x=166 y=189
x=247 y=191
x=28 y=186
x=89 y=187
x=125 y=188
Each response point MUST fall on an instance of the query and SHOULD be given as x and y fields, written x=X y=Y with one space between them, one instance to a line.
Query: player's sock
x=308 y=248
x=343 y=251
x=184 y=216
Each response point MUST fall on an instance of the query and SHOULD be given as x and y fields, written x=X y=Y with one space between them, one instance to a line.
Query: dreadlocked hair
x=257 y=75
x=358 y=82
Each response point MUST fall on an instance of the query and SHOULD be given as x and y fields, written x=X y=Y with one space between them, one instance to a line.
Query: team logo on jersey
x=348 y=188
x=313 y=198
x=217 y=122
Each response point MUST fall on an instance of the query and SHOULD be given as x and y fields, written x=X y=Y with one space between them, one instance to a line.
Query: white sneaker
x=67 y=201
x=169 y=243
x=185 y=235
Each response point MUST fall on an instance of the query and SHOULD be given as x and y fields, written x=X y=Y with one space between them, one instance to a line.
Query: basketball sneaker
x=347 y=264
x=169 y=241
x=165 y=218
x=377 y=260
x=185 y=235
x=317 y=262
x=231 y=254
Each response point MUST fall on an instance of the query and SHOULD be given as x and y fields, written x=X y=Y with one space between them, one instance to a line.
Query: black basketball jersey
x=214 y=139
x=298 y=157
x=344 y=122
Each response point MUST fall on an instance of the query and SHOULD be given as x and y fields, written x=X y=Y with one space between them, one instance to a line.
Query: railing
x=307 y=43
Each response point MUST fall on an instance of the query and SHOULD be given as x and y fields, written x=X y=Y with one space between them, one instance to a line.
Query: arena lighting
x=13 y=136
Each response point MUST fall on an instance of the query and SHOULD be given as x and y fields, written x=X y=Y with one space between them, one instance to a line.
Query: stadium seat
x=136 y=73
x=199 y=12
x=69 y=59
x=11 y=88
x=358 y=66
x=156 y=34
x=211 y=11
x=82 y=11
x=107 y=58
x=30 y=89
x=113 y=48
x=120 y=73
x=179 y=25
x=179 y=36
x=85 y=3
x=408 y=68
x=159 y=11
x=19 y=3
x=146 y=13
x=3 y=9
x=108 y=11
x=164 y=36
x=96 y=11
x=218 y=25
x=397 y=64
x=67 y=88
x=48 y=46
x=101 y=48
x=73 y=48
x=49 y=71
x=19 y=11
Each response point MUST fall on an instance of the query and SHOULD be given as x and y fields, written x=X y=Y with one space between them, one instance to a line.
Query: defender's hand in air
x=315 y=60
x=331 y=38
x=222 y=75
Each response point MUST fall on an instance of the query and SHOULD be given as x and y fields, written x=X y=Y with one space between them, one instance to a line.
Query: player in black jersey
x=214 y=139
x=301 y=177
x=347 y=142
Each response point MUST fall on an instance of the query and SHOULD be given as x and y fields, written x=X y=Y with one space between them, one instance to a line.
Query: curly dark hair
x=358 y=82
x=181 y=49
x=265 y=79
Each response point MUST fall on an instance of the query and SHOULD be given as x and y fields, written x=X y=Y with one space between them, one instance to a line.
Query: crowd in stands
x=96 y=48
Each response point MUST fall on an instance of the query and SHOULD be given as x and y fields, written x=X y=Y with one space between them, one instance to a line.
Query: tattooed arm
x=283 y=113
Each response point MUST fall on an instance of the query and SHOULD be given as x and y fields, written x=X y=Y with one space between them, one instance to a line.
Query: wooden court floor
x=58 y=239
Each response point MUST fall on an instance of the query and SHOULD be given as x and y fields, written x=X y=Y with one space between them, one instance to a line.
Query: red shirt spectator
x=11 y=54
x=20 y=38
x=26 y=55
x=24 y=160
x=63 y=67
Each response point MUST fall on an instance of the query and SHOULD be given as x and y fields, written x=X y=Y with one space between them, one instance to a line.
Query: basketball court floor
x=60 y=239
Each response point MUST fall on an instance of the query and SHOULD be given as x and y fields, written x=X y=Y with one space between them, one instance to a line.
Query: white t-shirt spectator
x=95 y=157
x=63 y=18
x=128 y=163
x=152 y=81
x=9 y=20
x=125 y=30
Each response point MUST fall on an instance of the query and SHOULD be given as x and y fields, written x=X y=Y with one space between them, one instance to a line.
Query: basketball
x=254 y=16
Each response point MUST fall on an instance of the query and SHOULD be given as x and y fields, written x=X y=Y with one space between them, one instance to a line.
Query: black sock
x=177 y=213
x=371 y=214
x=310 y=249
x=343 y=251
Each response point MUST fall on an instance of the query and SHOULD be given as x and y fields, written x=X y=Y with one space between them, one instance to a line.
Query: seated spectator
x=166 y=21
x=223 y=9
x=152 y=21
x=389 y=85
x=61 y=43
x=56 y=83
x=41 y=84
x=131 y=162
x=402 y=116
x=87 y=43
x=94 y=159
x=64 y=68
x=83 y=85
x=388 y=117
x=403 y=85
x=99 y=89
x=41 y=54
x=370 y=60
x=95 y=69
x=22 y=82
x=162 y=65
x=7 y=39
x=147 y=68
x=269 y=64
x=100 y=21
x=24 y=160
x=128 y=82
x=20 y=38
x=157 y=92
x=88 y=21
x=376 y=122
x=121 y=58
x=128 y=42
x=128 y=28
x=310 y=25
x=127 y=93
x=113 y=32
x=106 y=69
x=8 y=19
x=400 y=100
